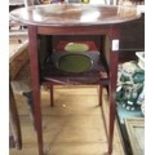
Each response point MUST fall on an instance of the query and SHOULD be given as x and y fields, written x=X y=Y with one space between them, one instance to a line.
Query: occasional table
x=73 y=20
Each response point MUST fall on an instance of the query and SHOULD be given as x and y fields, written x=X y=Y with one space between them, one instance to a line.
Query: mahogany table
x=73 y=19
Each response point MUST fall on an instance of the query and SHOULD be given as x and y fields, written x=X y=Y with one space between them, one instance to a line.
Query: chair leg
x=14 y=119
x=51 y=96
x=100 y=95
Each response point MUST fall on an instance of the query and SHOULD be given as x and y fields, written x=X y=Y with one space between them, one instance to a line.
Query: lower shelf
x=96 y=75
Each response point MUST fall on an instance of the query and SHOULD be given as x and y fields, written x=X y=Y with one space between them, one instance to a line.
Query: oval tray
x=74 y=63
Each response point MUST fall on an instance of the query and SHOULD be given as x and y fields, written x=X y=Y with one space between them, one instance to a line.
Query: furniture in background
x=135 y=132
x=15 y=136
x=18 y=58
x=132 y=36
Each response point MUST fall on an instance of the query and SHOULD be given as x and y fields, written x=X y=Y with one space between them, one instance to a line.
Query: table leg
x=100 y=95
x=35 y=77
x=51 y=95
x=112 y=95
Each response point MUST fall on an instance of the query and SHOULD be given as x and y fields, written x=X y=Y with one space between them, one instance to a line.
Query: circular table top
x=74 y=14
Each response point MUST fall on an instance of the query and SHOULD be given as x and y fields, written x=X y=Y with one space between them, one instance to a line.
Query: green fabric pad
x=76 y=47
x=74 y=63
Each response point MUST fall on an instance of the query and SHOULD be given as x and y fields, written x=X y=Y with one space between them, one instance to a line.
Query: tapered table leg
x=112 y=99
x=51 y=96
x=35 y=78
x=100 y=95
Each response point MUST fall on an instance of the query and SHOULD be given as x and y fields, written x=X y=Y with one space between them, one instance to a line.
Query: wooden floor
x=74 y=126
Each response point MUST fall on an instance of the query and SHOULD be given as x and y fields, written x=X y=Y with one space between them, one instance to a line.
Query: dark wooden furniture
x=18 y=59
x=15 y=127
x=132 y=40
x=135 y=132
x=70 y=20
